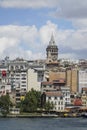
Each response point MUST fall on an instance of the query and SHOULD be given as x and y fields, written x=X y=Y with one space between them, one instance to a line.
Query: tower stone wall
x=52 y=50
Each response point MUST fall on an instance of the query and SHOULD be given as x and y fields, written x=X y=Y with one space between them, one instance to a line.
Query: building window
x=18 y=75
x=61 y=98
x=44 y=86
x=40 y=76
x=23 y=85
x=59 y=103
x=21 y=67
x=17 y=78
x=4 y=73
x=62 y=103
x=23 y=81
x=18 y=94
x=12 y=67
x=50 y=86
x=55 y=103
x=49 y=98
x=55 y=98
x=23 y=74
x=16 y=67
x=61 y=108
x=23 y=78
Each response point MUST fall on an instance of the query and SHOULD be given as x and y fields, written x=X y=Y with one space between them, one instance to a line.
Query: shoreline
x=40 y=116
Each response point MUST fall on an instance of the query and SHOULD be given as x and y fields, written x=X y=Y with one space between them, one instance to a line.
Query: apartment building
x=35 y=77
x=54 y=85
x=5 y=86
x=57 y=99
x=82 y=79
x=66 y=93
x=57 y=75
x=84 y=97
x=18 y=74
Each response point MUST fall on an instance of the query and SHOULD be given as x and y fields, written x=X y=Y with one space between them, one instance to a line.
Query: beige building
x=55 y=72
x=72 y=80
x=56 y=75
x=35 y=77
x=70 y=77
x=52 y=86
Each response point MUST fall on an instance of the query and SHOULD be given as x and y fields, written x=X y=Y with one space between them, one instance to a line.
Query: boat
x=84 y=114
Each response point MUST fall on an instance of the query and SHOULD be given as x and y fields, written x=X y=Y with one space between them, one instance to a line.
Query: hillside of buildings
x=61 y=82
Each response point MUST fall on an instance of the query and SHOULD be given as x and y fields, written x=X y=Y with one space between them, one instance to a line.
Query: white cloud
x=78 y=40
x=68 y=56
x=13 y=39
x=15 y=52
x=28 y=3
x=74 y=10
x=74 y=39
x=46 y=31
x=18 y=31
x=5 y=43
x=30 y=42
x=80 y=23
x=71 y=9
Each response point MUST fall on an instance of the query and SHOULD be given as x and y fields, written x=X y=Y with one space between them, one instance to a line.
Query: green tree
x=31 y=101
x=48 y=106
x=5 y=103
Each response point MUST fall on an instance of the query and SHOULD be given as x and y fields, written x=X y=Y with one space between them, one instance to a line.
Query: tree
x=31 y=101
x=5 y=103
x=49 y=106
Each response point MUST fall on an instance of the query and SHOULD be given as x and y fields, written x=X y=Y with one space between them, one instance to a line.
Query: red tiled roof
x=52 y=63
x=59 y=81
x=46 y=83
x=54 y=81
x=56 y=94
x=84 y=89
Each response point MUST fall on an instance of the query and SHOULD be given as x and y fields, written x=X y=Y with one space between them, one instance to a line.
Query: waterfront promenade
x=42 y=115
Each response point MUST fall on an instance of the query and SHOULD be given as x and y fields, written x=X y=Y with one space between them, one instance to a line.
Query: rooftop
x=55 y=94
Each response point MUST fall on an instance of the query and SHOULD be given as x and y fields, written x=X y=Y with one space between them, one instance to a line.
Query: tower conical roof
x=52 y=41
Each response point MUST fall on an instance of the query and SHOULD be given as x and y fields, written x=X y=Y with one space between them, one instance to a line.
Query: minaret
x=52 y=50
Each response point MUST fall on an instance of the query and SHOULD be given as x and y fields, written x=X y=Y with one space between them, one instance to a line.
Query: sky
x=26 y=27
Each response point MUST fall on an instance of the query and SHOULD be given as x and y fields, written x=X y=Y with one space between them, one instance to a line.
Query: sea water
x=43 y=124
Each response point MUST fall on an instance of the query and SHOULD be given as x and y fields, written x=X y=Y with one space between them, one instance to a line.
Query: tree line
x=31 y=103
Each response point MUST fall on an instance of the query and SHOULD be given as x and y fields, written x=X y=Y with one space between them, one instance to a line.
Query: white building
x=66 y=93
x=57 y=99
x=5 y=89
x=35 y=77
x=19 y=78
x=18 y=74
x=18 y=64
x=84 y=97
x=5 y=86
x=82 y=80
